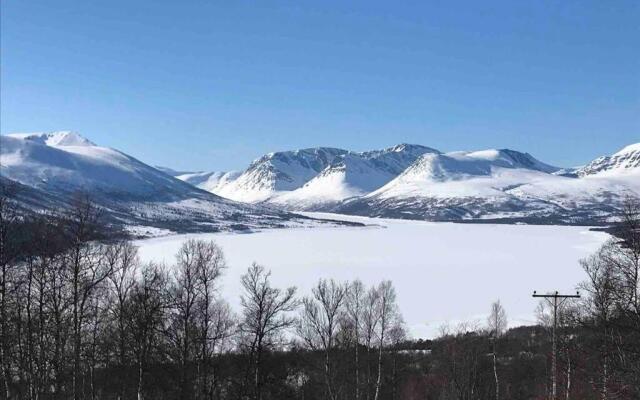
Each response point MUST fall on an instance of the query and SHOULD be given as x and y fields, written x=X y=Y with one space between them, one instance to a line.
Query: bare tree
x=222 y=326
x=371 y=318
x=212 y=315
x=388 y=317
x=185 y=297
x=566 y=318
x=624 y=259
x=600 y=303
x=397 y=334
x=462 y=355
x=626 y=264
x=122 y=259
x=87 y=272
x=265 y=314
x=319 y=324
x=146 y=311
x=8 y=253
x=354 y=305
x=497 y=324
x=613 y=303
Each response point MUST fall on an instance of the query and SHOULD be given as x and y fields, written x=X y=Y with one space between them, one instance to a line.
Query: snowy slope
x=277 y=172
x=210 y=181
x=352 y=174
x=60 y=138
x=172 y=172
x=465 y=174
x=623 y=162
x=495 y=184
x=57 y=165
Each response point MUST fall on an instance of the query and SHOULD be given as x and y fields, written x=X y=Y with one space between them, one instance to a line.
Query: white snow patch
x=629 y=149
x=147 y=231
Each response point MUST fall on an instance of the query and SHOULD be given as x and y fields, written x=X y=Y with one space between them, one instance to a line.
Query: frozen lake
x=442 y=272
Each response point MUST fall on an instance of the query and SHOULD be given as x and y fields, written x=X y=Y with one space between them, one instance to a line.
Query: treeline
x=83 y=318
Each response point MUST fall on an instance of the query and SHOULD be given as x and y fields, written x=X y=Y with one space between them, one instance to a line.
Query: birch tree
x=319 y=325
x=265 y=315
x=497 y=324
x=122 y=259
x=146 y=313
x=600 y=304
x=87 y=271
x=388 y=316
x=354 y=305
x=185 y=297
x=212 y=314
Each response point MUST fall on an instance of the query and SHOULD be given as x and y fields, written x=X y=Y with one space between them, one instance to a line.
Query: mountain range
x=418 y=182
x=49 y=169
x=403 y=181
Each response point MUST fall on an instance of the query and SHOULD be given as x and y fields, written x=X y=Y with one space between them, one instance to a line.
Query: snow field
x=444 y=273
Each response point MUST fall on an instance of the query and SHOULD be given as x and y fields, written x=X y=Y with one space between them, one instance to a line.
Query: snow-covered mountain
x=623 y=162
x=60 y=138
x=278 y=172
x=66 y=162
x=500 y=185
x=53 y=167
x=403 y=181
x=412 y=181
x=351 y=174
x=309 y=179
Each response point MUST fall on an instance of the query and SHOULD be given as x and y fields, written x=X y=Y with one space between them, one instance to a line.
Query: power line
x=555 y=304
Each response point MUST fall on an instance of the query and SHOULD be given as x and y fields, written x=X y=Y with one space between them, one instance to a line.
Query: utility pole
x=556 y=300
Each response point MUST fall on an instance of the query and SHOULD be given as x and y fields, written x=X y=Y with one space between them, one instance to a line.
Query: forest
x=81 y=317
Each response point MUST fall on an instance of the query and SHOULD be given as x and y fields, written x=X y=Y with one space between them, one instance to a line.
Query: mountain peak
x=629 y=149
x=279 y=171
x=626 y=160
x=408 y=147
x=57 y=138
x=506 y=158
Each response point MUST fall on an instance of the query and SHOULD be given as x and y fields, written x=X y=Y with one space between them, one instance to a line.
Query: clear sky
x=213 y=84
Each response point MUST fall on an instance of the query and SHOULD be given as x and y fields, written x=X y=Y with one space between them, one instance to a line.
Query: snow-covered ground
x=443 y=272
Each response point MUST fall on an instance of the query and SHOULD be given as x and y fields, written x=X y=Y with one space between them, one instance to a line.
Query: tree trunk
x=3 y=333
x=140 y=374
x=568 y=389
x=379 y=380
x=495 y=371
x=357 y=370
x=327 y=375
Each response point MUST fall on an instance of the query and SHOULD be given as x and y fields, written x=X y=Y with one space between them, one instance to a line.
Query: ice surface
x=443 y=272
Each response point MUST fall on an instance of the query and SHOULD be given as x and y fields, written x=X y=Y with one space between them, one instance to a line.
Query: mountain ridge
x=401 y=181
x=491 y=184
x=50 y=169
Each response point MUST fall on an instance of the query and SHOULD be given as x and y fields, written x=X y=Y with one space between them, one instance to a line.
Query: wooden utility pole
x=556 y=300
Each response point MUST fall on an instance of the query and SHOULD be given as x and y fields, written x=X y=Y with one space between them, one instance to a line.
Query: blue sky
x=212 y=85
